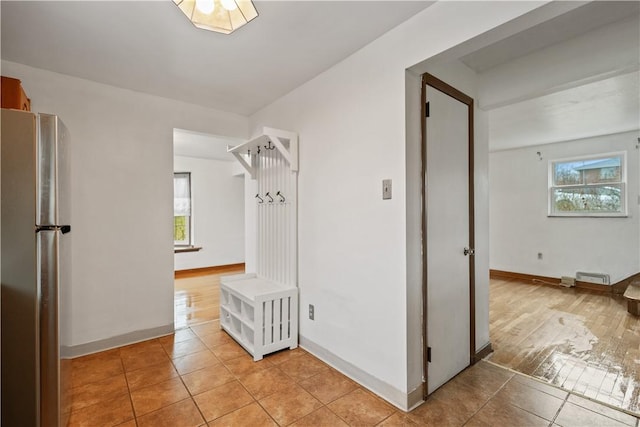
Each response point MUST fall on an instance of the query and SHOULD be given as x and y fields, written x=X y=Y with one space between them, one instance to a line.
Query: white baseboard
x=399 y=399
x=117 y=341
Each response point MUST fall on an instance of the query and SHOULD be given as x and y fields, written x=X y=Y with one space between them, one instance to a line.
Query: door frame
x=435 y=83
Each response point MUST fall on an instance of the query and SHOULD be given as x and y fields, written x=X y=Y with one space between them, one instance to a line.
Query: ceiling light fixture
x=205 y=6
x=222 y=16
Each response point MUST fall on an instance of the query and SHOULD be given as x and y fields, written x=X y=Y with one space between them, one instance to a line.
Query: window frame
x=551 y=212
x=189 y=220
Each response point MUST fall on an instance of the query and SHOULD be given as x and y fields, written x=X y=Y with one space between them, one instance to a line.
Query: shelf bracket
x=276 y=136
x=245 y=164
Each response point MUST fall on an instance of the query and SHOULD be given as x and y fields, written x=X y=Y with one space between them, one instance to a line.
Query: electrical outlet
x=386 y=189
x=312 y=312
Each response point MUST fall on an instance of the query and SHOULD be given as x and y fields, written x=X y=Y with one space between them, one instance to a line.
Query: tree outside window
x=182 y=209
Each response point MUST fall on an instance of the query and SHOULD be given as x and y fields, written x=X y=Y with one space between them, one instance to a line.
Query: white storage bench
x=261 y=315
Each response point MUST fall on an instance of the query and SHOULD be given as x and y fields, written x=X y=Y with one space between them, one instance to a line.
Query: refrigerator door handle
x=62 y=228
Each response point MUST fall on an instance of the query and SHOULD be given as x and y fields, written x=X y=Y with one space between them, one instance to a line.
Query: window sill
x=180 y=249
x=588 y=216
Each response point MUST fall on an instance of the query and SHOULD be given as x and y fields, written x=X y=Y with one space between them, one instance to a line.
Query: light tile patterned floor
x=199 y=376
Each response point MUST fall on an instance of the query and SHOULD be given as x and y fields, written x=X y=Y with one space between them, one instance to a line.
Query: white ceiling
x=557 y=30
x=599 y=108
x=151 y=47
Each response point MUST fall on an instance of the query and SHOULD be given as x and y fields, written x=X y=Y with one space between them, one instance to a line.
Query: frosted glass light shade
x=221 y=20
x=205 y=6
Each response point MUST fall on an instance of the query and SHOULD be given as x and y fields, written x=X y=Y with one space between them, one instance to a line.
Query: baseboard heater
x=567 y=282
x=597 y=278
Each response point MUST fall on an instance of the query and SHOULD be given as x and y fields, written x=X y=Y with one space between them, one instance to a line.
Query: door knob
x=468 y=251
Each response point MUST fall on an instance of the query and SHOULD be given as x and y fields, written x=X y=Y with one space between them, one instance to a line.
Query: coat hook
x=269 y=196
x=259 y=198
x=539 y=155
x=270 y=147
x=282 y=199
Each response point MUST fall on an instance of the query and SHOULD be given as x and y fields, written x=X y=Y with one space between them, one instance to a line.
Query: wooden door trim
x=434 y=82
x=423 y=229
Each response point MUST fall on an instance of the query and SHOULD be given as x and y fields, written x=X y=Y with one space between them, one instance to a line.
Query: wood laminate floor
x=197 y=296
x=583 y=341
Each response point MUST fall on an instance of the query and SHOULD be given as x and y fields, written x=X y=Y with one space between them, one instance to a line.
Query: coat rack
x=260 y=310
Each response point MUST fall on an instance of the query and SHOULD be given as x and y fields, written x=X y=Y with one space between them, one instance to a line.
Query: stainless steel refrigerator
x=35 y=269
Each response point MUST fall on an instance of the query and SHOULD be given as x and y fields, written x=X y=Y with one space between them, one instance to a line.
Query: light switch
x=386 y=189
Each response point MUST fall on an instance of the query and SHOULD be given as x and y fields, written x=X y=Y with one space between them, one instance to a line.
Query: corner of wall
x=401 y=400
x=413 y=87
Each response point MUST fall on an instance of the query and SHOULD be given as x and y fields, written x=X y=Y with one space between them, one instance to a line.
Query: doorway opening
x=209 y=226
x=559 y=89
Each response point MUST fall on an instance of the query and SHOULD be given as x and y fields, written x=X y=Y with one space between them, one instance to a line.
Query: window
x=182 y=209
x=588 y=186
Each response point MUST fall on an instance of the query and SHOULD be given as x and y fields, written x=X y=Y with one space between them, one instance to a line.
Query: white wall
x=217 y=199
x=520 y=227
x=352 y=244
x=122 y=163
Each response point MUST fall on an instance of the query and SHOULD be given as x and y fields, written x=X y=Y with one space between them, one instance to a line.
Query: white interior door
x=447 y=235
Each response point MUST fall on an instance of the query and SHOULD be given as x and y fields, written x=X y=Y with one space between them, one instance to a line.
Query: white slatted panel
x=268 y=322
x=277 y=252
x=277 y=320
x=286 y=318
